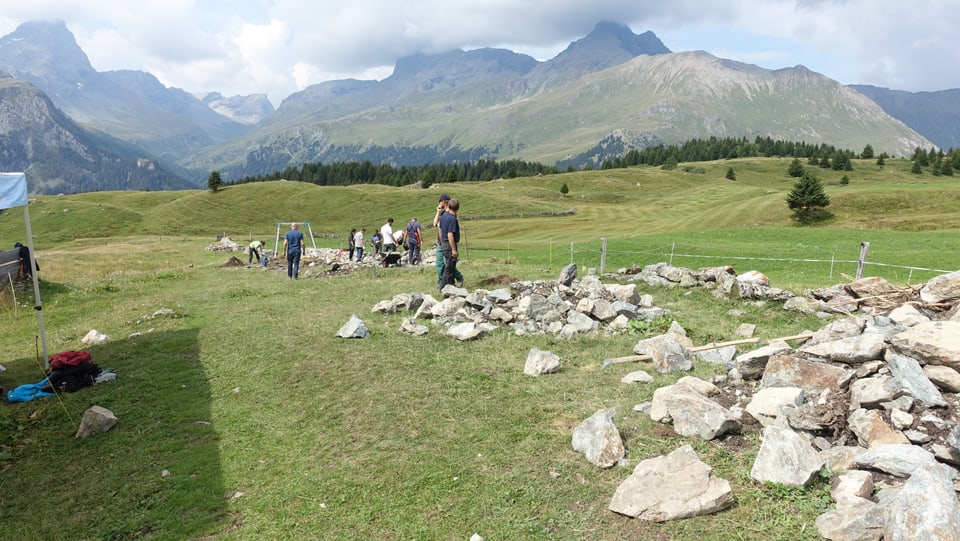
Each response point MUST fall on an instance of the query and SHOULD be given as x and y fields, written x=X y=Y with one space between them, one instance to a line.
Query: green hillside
x=616 y=203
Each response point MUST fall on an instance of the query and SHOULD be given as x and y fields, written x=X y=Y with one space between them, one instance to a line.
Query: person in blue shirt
x=294 y=247
x=441 y=210
x=449 y=238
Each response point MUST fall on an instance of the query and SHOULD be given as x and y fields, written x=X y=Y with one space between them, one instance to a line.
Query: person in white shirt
x=389 y=243
x=358 y=242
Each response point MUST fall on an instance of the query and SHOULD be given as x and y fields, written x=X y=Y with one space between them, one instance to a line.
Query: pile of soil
x=234 y=262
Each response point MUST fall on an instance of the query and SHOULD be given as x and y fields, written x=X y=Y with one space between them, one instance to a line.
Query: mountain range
x=456 y=106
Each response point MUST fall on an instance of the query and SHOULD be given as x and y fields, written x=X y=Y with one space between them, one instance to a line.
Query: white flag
x=13 y=190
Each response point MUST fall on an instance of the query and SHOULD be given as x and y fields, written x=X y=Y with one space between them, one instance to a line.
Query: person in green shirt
x=254 y=251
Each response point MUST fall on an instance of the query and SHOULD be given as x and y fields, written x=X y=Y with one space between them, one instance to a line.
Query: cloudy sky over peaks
x=278 y=47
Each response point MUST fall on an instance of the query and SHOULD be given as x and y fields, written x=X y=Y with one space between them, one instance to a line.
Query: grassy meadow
x=242 y=416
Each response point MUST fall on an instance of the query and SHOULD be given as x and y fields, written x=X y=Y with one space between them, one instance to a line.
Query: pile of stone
x=724 y=280
x=225 y=244
x=870 y=398
x=566 y=308
x=873 y=293
x=330 y=256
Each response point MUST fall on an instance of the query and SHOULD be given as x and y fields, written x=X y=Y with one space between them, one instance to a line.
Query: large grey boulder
x=678 y=485
x=411 y=327
x=852 y=350
x=838 y=329
x=533 y=307
x=541 y=362
x=933 y=342
x=855 y=520
x=669 y=352
x=692 y=413
x=469 y=330
x=944 y=377
x=909 y=376
x=567 y=275
x=580 y=323
x=871 y=392
x=766 y=404
x=750 y=365
x=785 y=457
x=849 y=485
x=96 y=420
x=599 y=440
x=722 y=356
x=899 y=460
x=925 y=508
x=752 y=284
x=353 y=328
x=789 y=370
x=945 y=287
x=871 y=289
x=425 y=310
x=624 y=293
x=907 y=315
x=872 y=430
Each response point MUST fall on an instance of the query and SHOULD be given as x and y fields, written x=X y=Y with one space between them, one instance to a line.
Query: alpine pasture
x=242 y=416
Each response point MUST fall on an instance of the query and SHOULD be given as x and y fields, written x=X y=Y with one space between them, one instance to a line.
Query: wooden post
x=864 y=248
x=603 y=254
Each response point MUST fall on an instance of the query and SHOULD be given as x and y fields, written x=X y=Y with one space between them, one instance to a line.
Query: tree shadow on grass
x=814 y=216
x=156 y=473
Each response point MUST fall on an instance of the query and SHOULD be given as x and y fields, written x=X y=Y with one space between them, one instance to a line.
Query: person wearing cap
x=441 y=209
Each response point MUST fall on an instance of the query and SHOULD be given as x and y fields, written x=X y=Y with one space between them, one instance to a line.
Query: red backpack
x=69 y=358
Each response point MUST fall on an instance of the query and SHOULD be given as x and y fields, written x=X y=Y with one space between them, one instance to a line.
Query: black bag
x=71 y=378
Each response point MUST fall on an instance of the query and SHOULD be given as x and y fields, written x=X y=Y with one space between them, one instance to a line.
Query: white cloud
x=280 y=46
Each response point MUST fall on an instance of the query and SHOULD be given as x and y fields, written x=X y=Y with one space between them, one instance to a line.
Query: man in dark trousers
x=449 y=238
x=294 y=248
x=24 y=254
x=413 y=240
x=254 y=251
x=441 y=209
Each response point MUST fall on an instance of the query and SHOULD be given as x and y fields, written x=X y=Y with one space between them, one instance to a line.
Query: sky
x=278 y=47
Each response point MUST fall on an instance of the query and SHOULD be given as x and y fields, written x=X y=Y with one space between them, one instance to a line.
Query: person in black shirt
x=24 y=255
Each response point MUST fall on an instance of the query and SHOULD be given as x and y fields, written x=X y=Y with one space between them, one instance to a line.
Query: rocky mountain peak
x=44 y=52
x=609 y=44
x=608 y=35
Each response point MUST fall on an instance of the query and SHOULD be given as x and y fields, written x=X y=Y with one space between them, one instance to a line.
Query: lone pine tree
x=807 y=199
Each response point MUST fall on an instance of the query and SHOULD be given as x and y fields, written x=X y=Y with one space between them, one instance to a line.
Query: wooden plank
x=712 y=345
x=9 y=263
